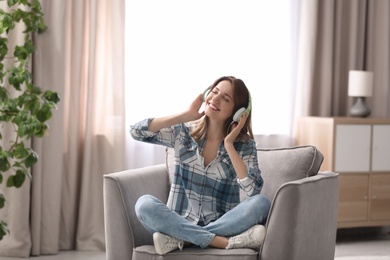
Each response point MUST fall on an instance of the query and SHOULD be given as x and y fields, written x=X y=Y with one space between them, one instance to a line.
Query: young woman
x=215 y=157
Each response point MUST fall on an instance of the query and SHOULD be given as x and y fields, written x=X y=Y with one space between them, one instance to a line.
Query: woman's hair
x=241 y=99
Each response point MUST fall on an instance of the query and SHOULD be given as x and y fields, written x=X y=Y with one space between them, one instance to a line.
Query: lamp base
x=360 y=109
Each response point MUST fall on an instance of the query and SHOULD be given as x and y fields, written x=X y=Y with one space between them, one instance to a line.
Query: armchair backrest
x=277 y=165
x=282 y=165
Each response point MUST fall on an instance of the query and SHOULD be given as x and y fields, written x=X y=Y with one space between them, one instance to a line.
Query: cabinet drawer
x=353 y=197
x=380 y=197
x=381 y=148
x=352 y=148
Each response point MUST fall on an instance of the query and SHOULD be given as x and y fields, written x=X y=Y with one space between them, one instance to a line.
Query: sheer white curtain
x=175 y=49
x=82 y=56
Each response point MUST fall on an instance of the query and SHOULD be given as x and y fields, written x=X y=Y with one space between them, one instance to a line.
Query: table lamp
x=360 y=85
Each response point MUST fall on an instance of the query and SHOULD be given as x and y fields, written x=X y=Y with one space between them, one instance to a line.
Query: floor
x=363 y=242
x=356 y=244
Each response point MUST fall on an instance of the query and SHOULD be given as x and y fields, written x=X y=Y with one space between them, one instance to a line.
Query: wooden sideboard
x=359 y=150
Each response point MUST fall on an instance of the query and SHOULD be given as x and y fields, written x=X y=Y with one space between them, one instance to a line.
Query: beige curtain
x=80 y=56
x=17 y=207
x=334 y=37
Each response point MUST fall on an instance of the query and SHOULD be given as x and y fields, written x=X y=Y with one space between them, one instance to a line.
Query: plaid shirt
x=199 y=193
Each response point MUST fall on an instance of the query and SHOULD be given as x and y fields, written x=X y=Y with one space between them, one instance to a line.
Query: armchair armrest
x=121 y=192
x=302 y=222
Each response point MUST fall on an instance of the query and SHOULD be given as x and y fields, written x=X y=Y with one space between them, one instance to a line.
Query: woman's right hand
x=193 y=111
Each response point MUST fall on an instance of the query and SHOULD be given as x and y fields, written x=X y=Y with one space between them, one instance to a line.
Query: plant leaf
x=44 y=113
x=19 y=178
x=52 y=96
x=11 y=2
x=7 y=22
x=20 y=151
x=31 y=159
x=4 y=164
x=10 y=181
x=3 y=93
x=3 y=47
x=2 y=201
x=3 y=229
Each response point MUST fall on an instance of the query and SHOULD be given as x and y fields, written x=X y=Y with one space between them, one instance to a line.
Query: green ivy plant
x=23 y=105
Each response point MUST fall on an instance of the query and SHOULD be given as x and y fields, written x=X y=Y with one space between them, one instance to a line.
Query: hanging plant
x=23 y=105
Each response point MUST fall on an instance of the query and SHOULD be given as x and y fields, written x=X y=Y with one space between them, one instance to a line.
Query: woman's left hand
x=235 y=129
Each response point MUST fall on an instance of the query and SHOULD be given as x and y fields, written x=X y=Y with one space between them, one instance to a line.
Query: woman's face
x=219 y=102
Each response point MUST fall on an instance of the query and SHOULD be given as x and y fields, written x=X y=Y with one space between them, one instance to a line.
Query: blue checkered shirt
x=199 y=193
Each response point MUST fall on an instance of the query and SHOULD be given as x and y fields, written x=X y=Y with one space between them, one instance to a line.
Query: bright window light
x=175 y=49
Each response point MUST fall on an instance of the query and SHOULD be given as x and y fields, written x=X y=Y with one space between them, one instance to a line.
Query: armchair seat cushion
x=195 y=253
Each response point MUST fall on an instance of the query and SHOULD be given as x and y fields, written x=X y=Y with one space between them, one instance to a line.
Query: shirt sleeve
x=253 y=183
x=165 y=136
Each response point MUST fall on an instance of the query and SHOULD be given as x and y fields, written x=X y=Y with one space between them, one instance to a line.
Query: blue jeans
x=157 y=217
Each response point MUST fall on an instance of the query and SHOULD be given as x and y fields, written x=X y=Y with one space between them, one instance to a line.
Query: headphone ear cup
x=238 y=114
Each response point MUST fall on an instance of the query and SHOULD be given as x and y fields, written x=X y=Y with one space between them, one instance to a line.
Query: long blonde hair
x=241 y=99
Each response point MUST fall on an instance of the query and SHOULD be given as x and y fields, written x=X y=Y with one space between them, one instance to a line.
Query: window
x=175 y=49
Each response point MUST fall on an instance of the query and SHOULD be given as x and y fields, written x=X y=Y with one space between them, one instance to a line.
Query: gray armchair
x=301 y=225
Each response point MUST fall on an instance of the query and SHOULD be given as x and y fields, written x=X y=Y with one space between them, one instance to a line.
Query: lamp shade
x=360 y=83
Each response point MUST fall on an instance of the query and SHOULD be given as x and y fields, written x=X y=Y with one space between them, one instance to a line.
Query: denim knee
x=262 y=200
x=144 y=206
x=261 y=204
